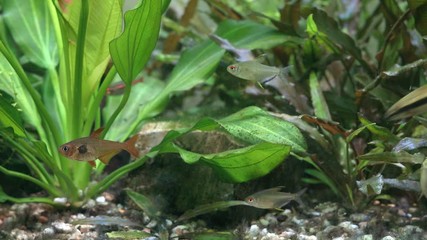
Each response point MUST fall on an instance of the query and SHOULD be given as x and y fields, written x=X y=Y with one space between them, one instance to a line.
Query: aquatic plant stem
x=128 y=87
x=99 y=96
x=113 y=177
x=78 y=70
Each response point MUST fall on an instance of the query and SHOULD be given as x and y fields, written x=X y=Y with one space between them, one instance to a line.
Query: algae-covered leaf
x=131 y=50
x=207 y=208
x=254 y=125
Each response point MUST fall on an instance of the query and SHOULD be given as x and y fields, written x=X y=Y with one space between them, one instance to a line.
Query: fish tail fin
x=284 y=72
x=298 y=196
x=130 y=146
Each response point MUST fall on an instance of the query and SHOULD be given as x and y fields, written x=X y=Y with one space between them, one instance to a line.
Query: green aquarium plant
x=55 y=71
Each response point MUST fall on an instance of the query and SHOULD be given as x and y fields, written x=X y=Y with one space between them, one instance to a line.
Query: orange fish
x=91 y=148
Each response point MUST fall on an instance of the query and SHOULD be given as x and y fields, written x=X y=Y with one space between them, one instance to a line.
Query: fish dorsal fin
x=97 y=133
x=261 y=58
x=274 y=189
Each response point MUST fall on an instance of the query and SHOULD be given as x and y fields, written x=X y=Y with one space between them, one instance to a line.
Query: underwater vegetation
x=337 y=91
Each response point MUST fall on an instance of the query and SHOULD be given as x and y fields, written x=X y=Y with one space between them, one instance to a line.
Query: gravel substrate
x=323 y=221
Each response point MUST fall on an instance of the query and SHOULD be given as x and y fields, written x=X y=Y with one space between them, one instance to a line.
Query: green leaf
x=9 y=115
x=131 y=50
x=329 y=27
x=248 y=163
x=144 y=203
x=243 y=164
x=254 y=125
x=321 y=109
x=32 y=29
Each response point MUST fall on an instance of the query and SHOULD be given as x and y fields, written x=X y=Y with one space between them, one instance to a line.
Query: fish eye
x=250 y=199
x=65 y=148
x=232 y=67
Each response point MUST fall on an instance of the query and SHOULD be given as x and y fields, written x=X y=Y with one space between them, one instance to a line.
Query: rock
x=19 y=234
x=306 y=237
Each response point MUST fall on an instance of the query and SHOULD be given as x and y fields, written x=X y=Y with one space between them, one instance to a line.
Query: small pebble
x=263 y=232
x=61 y=227
x=101 y=201
x=253 y=231
x=48 y=231
x=367 y=237
x=388 y=238
x=90 y=204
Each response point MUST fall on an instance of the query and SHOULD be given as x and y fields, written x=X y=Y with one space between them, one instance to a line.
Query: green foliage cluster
x=350 y=64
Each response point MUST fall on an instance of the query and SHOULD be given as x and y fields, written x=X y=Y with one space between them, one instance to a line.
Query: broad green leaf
x=131 y=50
x=243 y=164
x=211 y=207
x=32 y=29
x=9 y=115
x=321 y=109
x=104 y=24
x=254 y=125
x=197 y=64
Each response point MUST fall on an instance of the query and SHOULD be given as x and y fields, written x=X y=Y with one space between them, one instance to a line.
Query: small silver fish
x=423 y=179
x=255 y=71
x=272 y=198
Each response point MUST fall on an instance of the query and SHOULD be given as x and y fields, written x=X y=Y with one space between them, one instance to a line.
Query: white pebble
x=101 y=201
x=60 y=200
x=48 y=231
x=388 y=238
x=253 y=231
x=61 y=227
x=264 y=232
